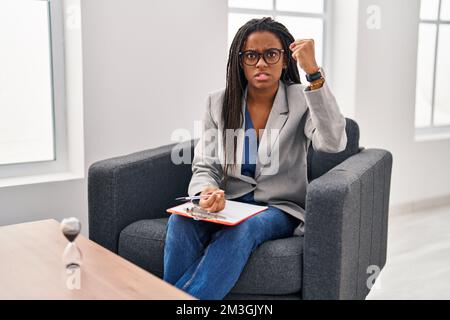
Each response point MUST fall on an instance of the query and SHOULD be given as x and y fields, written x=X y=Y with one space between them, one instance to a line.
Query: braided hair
x=236 y=82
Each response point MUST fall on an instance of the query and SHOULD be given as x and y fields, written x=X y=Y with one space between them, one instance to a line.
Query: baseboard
x=421 y=205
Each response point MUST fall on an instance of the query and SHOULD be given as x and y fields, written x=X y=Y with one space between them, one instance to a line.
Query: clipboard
x=234 y=212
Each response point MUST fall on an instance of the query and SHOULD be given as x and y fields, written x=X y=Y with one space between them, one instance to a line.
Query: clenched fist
x=216 y=201
x=304 y=53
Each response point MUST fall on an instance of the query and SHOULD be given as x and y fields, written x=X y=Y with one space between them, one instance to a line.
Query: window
x=303 y=18
x=40 y=108
x=433 y=67
x=26 y=99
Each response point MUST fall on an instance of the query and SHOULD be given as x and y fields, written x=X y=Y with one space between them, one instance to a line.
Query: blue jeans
x=206 y=259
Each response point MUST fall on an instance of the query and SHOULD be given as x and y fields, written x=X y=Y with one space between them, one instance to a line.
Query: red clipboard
x=234 y=212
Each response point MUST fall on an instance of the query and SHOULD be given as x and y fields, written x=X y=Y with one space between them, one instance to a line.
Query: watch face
x=314 y=76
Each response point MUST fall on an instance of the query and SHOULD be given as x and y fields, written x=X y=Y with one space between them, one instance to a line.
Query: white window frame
x=325 y=16
x=66 y=67
x=432 y=130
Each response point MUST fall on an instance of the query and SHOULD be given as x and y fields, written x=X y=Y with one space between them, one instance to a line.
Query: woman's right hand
x=216 y=201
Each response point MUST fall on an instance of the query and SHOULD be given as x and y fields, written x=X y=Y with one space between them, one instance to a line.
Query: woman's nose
x=261 y=62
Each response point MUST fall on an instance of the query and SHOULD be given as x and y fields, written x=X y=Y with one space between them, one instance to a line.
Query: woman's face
x=263 y=75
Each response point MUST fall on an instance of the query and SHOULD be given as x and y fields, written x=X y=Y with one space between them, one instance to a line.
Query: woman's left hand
x=304 y=53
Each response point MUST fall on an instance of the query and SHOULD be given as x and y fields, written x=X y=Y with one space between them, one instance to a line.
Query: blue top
x=248 y=167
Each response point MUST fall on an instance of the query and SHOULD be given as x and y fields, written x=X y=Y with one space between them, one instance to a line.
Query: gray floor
x=418 y=258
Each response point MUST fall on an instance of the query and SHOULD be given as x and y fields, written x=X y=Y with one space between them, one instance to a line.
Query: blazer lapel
x=277 y=118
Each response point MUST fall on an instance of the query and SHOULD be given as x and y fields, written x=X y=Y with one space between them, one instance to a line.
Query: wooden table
x=31 y=267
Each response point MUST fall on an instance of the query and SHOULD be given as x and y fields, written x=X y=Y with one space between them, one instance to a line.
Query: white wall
x=384 y=99
x=148 y=66
x=342 y=53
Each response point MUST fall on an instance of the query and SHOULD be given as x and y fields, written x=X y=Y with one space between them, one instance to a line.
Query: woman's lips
x=262 y=77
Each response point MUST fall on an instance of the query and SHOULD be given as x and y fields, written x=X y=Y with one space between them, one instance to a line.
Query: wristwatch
x=314 y=76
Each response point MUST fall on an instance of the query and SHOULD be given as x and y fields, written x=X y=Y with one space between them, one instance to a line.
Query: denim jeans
x=206 y=259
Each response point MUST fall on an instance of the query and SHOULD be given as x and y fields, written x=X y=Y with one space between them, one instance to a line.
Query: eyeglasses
x=270 y=56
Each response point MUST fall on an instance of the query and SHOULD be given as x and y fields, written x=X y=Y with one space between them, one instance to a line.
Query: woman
x=263 y=95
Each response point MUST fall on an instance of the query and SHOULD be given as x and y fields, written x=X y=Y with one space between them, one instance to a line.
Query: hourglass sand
x=72 y=256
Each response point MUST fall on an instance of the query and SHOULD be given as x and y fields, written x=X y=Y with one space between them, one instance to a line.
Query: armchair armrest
x=346 y=226
x=137 y=186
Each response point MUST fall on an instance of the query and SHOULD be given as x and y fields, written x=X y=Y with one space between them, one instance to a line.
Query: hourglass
x=72 y=256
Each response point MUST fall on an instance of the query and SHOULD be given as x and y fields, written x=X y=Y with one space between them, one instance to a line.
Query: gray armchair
x=345 y=231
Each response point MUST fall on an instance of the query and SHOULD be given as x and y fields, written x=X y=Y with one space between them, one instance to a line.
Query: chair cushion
x=274 y=268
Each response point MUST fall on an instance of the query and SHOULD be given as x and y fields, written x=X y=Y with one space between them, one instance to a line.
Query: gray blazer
x=297 y=118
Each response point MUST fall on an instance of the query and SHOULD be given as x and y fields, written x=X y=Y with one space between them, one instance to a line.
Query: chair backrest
x=321 y=162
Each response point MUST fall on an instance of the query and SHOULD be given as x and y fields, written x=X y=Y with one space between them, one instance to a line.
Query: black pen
x=197 y=197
